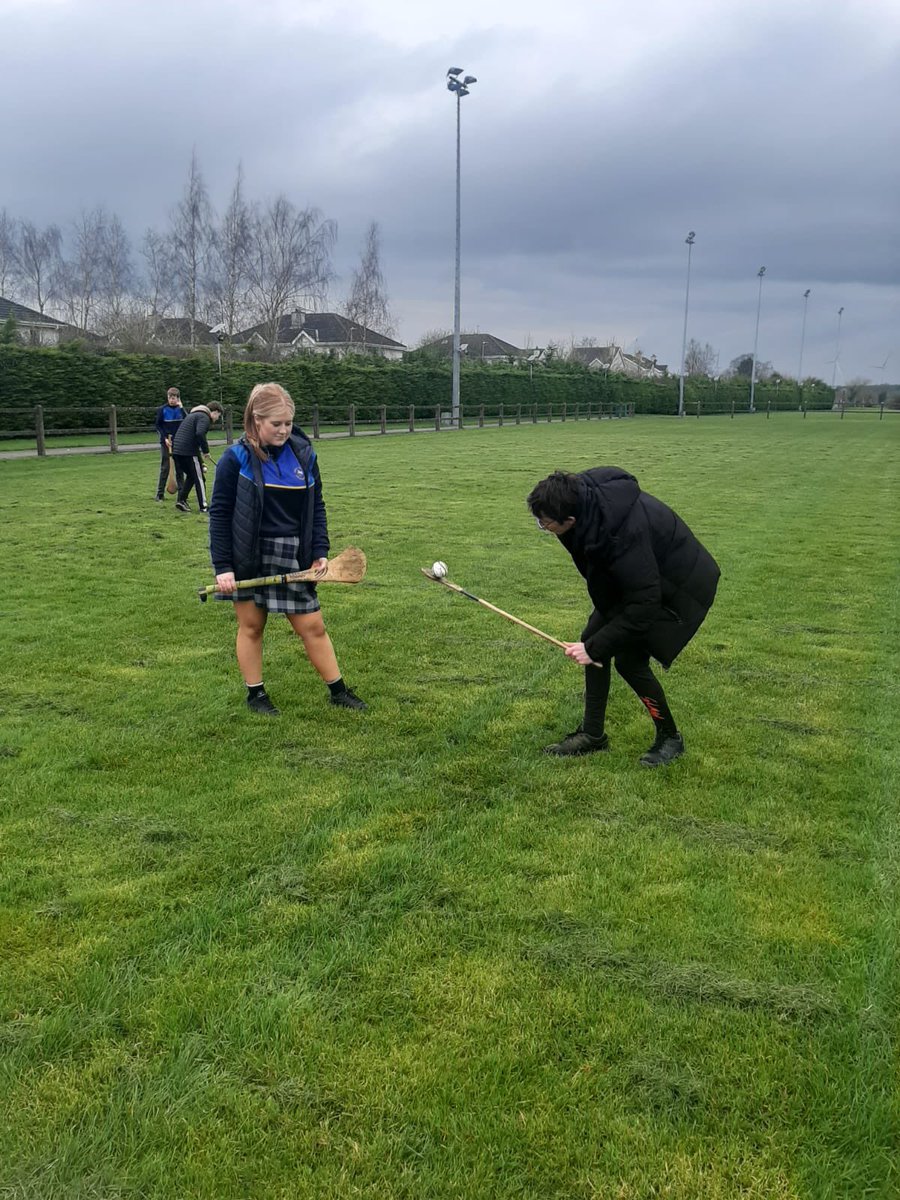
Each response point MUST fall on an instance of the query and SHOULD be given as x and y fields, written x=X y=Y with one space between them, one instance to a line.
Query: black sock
x=255 y=689
x=337 y=686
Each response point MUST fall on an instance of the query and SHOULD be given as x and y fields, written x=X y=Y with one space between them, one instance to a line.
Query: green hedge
x=76 y=388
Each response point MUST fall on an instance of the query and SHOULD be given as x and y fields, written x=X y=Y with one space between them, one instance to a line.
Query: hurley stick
x=171 y=485
x=499 y=611
x=347 y=567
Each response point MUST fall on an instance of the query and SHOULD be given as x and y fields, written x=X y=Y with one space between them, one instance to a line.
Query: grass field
x=404 y=954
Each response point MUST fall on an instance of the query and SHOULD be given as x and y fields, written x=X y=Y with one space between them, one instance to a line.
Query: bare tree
x=231 y=244
x=117 y=276
x=81 y=269
x=159 y=273
x=699 y=360
x=189 y=244
x=289 y=261
x=39 y=261
x=742 y=367
x=367 y=304
x=9 y=256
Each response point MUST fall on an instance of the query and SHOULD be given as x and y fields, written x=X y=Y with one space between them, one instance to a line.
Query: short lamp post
x=760 y=273
x=461 y=88
x=689 y=241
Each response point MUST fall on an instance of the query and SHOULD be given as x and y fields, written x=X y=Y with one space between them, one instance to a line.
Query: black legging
x=633 y=664
x=192 y=468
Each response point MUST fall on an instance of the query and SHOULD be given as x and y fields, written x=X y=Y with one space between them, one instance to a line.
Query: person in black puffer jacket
x=267 y=517
x=651 y=583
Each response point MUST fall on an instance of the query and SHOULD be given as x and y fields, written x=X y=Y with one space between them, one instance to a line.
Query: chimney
x=298 y=318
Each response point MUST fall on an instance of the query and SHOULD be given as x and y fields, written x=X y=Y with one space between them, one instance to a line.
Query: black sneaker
x=182 y=506
x=663 y=751
x=578 y=743
x=262 y=704
x=348 y=699
x=159 y=499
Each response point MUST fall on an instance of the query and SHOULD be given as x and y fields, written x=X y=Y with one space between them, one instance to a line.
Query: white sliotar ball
x=439 y=570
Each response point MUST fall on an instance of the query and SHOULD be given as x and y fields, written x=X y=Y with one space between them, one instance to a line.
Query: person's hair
x=265 y=399
x=557 y=497
x=215 y=406
x=174 y=392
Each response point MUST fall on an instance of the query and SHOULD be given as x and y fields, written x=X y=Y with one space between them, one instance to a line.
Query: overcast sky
x=599 y=133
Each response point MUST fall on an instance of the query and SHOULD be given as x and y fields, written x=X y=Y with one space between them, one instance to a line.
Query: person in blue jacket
x=267 y=517
x=168 y=417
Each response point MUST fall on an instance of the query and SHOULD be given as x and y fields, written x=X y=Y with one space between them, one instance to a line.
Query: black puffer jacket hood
x=651 y=580
x=608 y=495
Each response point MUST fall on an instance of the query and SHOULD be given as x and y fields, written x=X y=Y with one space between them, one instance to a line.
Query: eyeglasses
x=541 y=526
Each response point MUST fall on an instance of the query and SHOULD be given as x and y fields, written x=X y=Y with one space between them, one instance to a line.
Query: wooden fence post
x=500 y=416
x=315 y=420
x=534 y=414
x=732 y=408
x=351 y=420
x=698 y=410
x=229 y=428
x=39 y=429
x=113 y=429
x=881 y=413
x=412 y=418
x=518 y=414
x=481 y=416
x=382 y=417
x=437 y=418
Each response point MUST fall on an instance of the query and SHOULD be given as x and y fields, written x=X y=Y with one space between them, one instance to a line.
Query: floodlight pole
x=760 y=273
x=689 y=240
x=837 y=349
x=802 y=340
x=461 y=88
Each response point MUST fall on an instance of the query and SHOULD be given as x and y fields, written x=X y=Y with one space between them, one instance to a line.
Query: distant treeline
x=77 y=388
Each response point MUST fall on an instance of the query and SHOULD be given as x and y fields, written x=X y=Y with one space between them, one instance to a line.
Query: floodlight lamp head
x=470 y=79
x=840 y=310
x=761 y=272
x=454 y=70
x=690 y=238
x=806 y=293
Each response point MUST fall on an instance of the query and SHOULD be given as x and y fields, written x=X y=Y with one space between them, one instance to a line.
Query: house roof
x=327 y=329
x=177 y=330
x=19 y=312
x=606 y=355
x=477 y=345
x=589 y=354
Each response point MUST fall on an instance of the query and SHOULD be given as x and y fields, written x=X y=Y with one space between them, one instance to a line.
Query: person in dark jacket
x=651 y=583
x=168 y=417
x=190 y=447
x=268 y=517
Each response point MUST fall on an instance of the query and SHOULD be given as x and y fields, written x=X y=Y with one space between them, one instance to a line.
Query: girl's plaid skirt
x=278 y=556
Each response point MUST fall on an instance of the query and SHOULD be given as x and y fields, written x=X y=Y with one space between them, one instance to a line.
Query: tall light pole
x=689 y=240
x=461 y=88
x=802 y=340
x=837 y=349
x=760 y=273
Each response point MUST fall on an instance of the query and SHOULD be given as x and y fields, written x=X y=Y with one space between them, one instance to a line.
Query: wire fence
x=116 y=427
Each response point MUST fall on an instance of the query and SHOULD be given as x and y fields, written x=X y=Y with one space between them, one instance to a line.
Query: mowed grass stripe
x=409 y=954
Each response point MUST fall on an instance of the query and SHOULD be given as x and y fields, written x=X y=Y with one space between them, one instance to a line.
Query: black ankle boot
x=578 y=743
x=663 y=751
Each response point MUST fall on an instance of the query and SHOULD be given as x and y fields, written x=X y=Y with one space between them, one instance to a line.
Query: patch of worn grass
x=405 y=953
